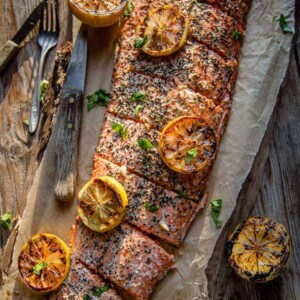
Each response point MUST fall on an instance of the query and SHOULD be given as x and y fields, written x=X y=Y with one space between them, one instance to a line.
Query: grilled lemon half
x=44 y=262
x=98 y=13
x=259 y=249
x=101 y=203
x=187 y=144
x=163 y=32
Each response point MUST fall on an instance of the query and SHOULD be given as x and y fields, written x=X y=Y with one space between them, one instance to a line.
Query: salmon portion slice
x=238 y=9
x=123 y=255
x=215 y=29
x=146 y=163
x=174 y=215
x=194 y=66
x=162 y=101
x=81 y=283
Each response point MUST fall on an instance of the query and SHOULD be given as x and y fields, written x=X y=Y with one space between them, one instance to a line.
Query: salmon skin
x=174 y=214
x=82 y=283
x=123 y=255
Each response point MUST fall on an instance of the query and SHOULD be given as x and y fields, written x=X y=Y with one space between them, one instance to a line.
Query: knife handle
x=6 y=53
x=68 y=127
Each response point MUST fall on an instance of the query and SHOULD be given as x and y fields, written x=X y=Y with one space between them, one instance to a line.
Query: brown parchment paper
x=264 y=61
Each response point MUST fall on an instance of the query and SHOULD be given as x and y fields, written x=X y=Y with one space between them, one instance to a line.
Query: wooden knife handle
x=6 y=53
x=68 y=118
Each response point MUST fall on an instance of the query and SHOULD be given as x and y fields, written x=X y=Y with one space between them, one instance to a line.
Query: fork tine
x=42 y=18
x=56 y=4
x=49 y=16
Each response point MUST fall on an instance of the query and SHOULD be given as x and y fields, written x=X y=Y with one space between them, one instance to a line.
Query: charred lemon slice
x=163 y=32
x=101 y=203
x=44 y=262
x=187 y=144
x=98 y=13
x=259 y=249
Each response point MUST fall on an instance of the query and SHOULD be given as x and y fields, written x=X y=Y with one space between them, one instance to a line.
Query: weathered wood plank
x=21 y=153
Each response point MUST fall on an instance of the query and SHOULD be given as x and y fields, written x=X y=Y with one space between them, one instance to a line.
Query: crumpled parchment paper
x=264 y=60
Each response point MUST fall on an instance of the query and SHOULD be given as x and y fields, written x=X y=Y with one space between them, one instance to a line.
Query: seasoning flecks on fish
x=123 y=255
x=152 y=209
x=84 y=284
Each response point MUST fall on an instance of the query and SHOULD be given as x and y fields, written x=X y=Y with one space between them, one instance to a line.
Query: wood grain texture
x=69 y=117
x=21 y=153
x=272 y=189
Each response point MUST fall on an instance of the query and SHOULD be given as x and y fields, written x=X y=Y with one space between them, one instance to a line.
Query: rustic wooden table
x=272 y=188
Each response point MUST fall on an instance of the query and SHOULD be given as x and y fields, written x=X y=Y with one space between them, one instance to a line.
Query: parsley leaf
x=5 y=221
x=128 y=10
x=39 y=267
x=43 y=89
x=137 y=109
x=140 y=42
x=151 y=207
x=118 y=128
x=190 y=155
x=183 y=195
x=100 y=290
x=216 y=206
x=145 y=144
x=138 y=96
x=87 y=297
x=284 y=26
x=100 y=97
x=26 y=122
x=236 y=35
x=195 y=2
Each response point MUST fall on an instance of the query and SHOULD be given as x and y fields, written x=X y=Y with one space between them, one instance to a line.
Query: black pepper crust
x=125 y=256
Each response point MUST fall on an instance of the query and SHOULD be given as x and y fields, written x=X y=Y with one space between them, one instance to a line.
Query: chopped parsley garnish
x=151 y=207
x=5 y=221
x=87 y=297
x=100 y=97
x=138 y=96
x=128 y=10
x=100 y=290
x=190 y=155
x=43 y=89
x=39 y=267
x=284 y=26
x=195 y=2
x=236 y=35
x=140 y=42
x=216 y=206
x=145 y=144
x=137 y=109
x=26 y=122
x=118 y=128
x=183 y=195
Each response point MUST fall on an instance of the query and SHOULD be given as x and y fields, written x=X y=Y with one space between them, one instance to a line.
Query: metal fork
x=47 y=39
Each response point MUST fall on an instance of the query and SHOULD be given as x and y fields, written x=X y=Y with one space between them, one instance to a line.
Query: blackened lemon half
x=259 y=249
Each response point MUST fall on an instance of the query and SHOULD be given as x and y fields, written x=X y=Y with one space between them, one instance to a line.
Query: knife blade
x=11 y=47
x=68 y=120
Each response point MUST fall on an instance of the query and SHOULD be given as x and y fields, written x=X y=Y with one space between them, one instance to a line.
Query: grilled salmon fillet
x=146 y=163
x=174 y=214
x=81 y=283
x=146 y=94
x=123 y=255
x=163 y=101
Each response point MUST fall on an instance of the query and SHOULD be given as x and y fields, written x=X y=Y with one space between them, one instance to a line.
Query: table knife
x=11 y=47
x=68 y=120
